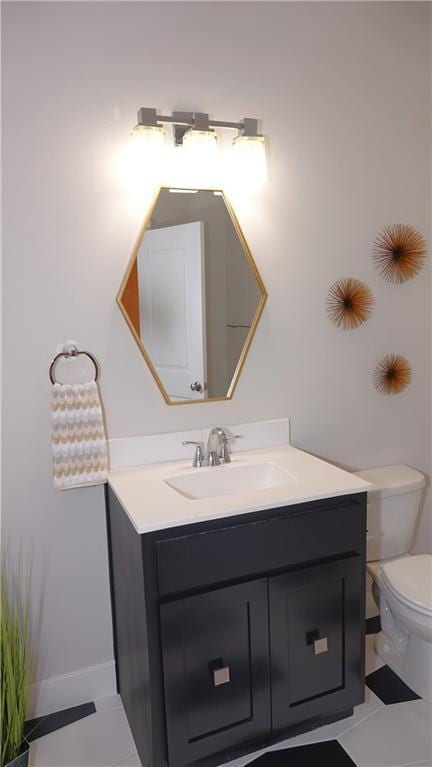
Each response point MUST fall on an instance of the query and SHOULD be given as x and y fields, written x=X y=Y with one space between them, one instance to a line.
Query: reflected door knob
x=196 y=386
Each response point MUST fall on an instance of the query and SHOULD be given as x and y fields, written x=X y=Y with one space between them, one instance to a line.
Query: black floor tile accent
x=329 y=753
x=389 y=687
x=373 y=625
x=43 y=725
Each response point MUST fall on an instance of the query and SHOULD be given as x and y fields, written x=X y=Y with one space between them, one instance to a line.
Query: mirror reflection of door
x=192 y=294
x=171 y=293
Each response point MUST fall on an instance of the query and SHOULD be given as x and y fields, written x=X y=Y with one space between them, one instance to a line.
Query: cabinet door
x=215 y=649
x=316 y=641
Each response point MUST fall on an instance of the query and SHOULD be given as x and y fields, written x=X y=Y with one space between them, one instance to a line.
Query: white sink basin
x=230 y=480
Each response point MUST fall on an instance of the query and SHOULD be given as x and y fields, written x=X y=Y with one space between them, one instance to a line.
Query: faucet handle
x=198 y=460
x=234 y=436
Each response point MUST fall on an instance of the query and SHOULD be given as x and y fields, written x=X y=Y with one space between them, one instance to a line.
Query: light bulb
x=147 y=150
x=200 y=157
x=248 y=166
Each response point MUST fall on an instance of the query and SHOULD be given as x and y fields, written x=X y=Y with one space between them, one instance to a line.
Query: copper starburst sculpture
x=349 y=303
x=399 y=252
x=392 y=375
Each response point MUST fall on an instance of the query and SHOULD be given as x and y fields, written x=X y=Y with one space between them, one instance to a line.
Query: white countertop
x=151 y=504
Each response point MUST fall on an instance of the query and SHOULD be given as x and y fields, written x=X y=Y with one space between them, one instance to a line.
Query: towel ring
x=72 y=353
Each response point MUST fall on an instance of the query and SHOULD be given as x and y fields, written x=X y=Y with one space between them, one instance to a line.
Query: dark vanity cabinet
x=314 y=649
x=215 y=651
x=234 y=633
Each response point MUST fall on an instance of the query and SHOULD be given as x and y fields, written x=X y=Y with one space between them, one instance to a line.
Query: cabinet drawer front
x=250 y=549
x=316 y=615
x=216 y=670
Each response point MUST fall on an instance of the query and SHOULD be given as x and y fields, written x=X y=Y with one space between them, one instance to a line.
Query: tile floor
x=392 y=728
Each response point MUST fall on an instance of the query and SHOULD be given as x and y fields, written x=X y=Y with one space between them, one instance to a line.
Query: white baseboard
x=67 y=690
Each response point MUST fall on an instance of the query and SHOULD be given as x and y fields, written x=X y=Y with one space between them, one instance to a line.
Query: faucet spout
x=217 y=446
x=216 y=439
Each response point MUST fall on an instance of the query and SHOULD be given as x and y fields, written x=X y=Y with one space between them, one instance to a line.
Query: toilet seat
x=409 y=580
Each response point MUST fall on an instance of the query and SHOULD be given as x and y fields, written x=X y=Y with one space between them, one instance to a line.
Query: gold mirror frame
x=256 y=318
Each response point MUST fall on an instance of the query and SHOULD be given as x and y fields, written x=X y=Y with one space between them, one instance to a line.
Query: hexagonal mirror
x=192 y=295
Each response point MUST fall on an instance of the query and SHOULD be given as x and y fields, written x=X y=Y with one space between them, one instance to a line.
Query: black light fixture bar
x=184 y=121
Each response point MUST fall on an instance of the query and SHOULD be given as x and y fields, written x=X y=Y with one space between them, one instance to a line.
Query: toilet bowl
x=402 y=582
x=402 y=589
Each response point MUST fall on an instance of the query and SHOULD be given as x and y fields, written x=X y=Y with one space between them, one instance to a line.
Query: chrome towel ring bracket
x=67 y=354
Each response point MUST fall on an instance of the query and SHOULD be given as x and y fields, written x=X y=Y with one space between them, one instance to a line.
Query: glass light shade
x=200 y=142
x=148 y=150
x=200 y=157
x=249 y=162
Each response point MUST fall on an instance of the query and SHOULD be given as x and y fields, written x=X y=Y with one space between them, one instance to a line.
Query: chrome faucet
x=217 y=448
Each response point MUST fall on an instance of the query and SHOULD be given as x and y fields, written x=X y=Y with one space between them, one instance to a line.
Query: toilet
x=402 y=582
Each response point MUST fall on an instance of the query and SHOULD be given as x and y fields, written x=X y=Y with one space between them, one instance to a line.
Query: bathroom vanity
x=238 y=618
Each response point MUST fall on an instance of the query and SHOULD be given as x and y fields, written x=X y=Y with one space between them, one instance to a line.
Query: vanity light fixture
x=199 y=138
x=195 y=133
x=149 y=146
x=200 y=151
x=150 y=135
x=249 y=163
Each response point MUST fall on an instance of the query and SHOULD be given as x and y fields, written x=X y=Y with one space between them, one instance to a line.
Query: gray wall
x=343 y=90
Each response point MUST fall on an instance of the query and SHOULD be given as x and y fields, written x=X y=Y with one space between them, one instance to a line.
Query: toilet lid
x=411 y=579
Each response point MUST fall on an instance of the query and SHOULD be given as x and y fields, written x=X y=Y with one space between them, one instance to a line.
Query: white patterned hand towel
x=78 y=436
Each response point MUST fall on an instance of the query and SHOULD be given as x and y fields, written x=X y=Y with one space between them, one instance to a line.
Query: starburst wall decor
x=399 y=252
x=392 y=375
x=349 y=303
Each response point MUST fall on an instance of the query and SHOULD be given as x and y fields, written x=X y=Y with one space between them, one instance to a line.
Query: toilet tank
x=392 y=509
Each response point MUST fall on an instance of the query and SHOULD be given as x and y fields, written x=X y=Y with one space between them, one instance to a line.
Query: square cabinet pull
x=221 y=676
x=320 y=645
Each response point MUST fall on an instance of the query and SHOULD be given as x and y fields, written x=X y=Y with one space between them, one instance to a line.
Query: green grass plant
x=15 y=660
